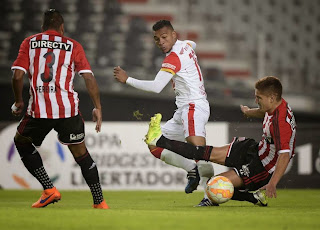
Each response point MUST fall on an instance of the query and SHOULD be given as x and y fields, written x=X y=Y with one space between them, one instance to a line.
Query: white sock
x=176 y=160
x=206 y=171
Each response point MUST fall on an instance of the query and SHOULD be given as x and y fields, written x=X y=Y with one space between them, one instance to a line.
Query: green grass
x=293 y=209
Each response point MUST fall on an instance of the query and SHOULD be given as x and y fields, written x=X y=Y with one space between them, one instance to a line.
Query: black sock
x=185 y=149
x=243 y=196
x=90 y=173
x=33 y=162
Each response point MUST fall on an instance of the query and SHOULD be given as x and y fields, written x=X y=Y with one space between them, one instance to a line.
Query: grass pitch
x=293 y=209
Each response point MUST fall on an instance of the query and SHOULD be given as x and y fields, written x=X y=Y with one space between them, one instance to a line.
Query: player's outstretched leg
x=256 y=197
x=154 y=132
x=48 y=196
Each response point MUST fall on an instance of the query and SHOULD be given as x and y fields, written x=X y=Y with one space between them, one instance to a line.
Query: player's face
x=264 y=101
x=165 y=38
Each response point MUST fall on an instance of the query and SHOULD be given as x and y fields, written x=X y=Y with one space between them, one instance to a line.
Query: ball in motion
x=219 y=189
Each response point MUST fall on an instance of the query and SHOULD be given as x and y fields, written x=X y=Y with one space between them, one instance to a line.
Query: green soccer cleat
x=262 y=199
x=154 y=132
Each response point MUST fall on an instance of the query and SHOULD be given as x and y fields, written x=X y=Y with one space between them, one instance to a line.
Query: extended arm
x=155 y=86
x=254 y=112
x=17 y=87
x=281 y=166
x=94 y=93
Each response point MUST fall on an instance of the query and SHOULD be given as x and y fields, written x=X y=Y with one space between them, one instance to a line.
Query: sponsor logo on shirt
x=50 y=45
x=168 y=65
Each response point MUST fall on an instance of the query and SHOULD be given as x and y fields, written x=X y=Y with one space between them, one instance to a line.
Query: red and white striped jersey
x=279 y=136
x=187 y=78
x=51 y=61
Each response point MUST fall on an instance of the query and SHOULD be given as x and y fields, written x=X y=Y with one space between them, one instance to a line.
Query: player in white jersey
x=51 y=61
x=188 y=122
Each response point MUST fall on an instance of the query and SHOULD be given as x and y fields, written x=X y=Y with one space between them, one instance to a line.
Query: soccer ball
x=219 y=189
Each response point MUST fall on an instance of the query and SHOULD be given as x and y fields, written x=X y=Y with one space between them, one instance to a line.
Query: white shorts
x=189 y=120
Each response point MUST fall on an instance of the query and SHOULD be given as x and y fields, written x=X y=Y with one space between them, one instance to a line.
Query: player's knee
x=156 y=152
x=23 y=145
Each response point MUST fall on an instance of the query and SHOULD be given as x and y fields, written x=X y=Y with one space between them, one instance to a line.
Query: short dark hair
x=52 y=19
x=270 y=85
x=162 y=23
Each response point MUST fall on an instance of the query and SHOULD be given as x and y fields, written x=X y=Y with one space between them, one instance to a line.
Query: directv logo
x=50 y=45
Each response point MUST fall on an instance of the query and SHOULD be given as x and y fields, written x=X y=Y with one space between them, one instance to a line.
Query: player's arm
x=19 y=67
x=155 y=86
x=252 y=112
x=280 y=168
x=94 y=94
x=17 y=87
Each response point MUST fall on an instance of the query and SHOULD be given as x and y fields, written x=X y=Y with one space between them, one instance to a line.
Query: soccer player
x=257 y=167
x=51 y=61
x=188 y=123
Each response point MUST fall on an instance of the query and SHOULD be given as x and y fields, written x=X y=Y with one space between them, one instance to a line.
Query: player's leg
x=173 y=130
x=31 y=132
x=71 y=132
x=194 y=118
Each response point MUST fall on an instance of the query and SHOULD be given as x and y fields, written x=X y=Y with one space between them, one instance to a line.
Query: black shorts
x=243 y=157
x=70 y=130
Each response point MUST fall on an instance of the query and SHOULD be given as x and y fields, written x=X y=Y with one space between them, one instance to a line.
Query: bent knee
x=156 y=152
x=19 y=139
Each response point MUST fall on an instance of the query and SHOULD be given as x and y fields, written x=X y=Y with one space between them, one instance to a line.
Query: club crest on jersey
x=50 y=45
x=269 y=140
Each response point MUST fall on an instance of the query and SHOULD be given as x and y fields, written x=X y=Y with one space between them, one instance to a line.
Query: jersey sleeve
x=171 y=64
x=283 y=135
x=22 y=61
x=192 y=44
x=80 y=60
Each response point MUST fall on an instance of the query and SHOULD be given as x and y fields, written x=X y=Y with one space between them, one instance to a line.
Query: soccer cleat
x=102 y=205
x=154 y=132
x=193 y=180
x=48 y=196
x=262 y=199
x=205 y=202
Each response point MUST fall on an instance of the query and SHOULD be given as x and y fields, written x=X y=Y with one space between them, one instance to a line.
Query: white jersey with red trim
x=51 y=61
x=279 y=136
x=187 y=79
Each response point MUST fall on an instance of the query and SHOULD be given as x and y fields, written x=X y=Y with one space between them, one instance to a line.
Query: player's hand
x=97 y=117
x=244 y=109
x=17 y=108
x=271 y=190
x=119 y=74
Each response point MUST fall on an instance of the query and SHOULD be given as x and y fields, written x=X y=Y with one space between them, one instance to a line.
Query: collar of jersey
x=52 y=32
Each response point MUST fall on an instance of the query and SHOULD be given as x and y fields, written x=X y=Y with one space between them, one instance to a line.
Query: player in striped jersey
x=51 y=61
x=256 y=166
x=180 y=66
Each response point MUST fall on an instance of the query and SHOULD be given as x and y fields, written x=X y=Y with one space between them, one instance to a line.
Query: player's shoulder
x=75 y=42
x=284 y=112
x=27 y=39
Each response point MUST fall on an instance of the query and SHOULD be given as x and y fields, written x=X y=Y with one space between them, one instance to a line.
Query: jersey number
x=192 y=56
x=49 y=64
